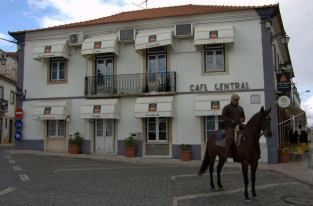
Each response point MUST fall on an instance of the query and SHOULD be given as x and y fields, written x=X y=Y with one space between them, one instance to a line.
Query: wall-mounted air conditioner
x=76 y=39
x=126 y=35
x=183 y=30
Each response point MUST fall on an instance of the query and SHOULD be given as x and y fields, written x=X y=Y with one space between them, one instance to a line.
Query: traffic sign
x=19 y=113
x=18 y=124
x=18 y=135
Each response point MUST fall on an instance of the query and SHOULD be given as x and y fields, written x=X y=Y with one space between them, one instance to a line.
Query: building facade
x=8 y=68
x=162 y=75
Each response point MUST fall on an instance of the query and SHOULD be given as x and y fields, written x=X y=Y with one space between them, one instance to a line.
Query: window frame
x=12 y=97
x=57 y=60
x=214 y=48
x=2 y=92
x=157 y=131
x=217 y=118
x=56 y=131
x=156 y=51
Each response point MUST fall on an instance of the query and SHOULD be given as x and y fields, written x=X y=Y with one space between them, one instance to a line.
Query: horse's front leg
x=219 y=167
x=244 y=168
x=211 y=168
x=254 y=166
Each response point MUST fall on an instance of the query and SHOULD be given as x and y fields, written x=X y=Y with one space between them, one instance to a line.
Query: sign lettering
x=232 y=86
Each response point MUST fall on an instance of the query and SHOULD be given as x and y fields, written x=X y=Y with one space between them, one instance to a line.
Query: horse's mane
x=253 y=119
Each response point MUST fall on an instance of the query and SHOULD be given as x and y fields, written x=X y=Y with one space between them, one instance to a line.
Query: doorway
x=104 y=136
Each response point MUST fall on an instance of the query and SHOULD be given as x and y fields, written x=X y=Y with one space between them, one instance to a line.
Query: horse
x=247 y=152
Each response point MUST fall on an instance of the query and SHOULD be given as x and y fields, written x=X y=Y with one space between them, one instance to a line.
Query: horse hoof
x=247 y=199
x=213 y=190
x=221 y=189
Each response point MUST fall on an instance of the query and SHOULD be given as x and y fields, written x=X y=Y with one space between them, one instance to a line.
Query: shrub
x=185 y=147
x=130 y=142
x=76 y=139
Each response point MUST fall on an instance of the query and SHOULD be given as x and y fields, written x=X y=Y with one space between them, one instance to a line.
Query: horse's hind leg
x=244 y=168
x=211 y=167
x=219 y=167
x=254 y=166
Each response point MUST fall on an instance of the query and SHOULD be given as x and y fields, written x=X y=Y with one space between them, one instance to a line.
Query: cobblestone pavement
x=29 y=179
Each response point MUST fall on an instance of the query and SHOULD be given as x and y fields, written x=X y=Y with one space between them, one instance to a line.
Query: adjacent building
x=162 y=75
x=8 y=69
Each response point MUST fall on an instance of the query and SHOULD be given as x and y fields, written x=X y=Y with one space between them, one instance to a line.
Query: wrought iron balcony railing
x=130 y=84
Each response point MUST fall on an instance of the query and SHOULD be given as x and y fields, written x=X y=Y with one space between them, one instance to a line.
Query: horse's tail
x=205 y=162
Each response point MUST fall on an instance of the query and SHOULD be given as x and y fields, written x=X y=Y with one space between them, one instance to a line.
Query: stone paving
x=65 y=179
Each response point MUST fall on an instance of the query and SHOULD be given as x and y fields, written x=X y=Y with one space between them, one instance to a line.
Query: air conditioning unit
x=183 y=30
x=127 y=35
x=76 y=39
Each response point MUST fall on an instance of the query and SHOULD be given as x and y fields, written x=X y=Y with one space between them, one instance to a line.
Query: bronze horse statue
x=247 y=152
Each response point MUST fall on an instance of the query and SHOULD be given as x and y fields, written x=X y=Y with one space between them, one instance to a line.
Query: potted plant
x=74 y=143
x=185 y=152
x=285 y=154
x=130 y=146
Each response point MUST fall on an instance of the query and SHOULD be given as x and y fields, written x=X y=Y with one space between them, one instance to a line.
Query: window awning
x=51 y=110
x=154 y=107
x=100 y=109
x=100 y=44
x=207 y=105
x=51 y=49
x=153 y=38
x=205 y=34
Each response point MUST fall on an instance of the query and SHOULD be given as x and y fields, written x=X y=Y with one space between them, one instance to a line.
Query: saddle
x=239 y=134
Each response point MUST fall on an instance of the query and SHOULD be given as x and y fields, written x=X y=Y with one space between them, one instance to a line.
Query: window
x=212 y=123
x=157 y=129
x=1 y=92
x=56 y=128
x=57 y=71
x=214 y=56
x=12 y=97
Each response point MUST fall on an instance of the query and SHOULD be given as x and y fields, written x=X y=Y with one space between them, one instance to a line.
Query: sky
x=297 y=18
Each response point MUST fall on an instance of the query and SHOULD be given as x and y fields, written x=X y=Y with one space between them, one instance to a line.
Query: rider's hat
x=235 y=97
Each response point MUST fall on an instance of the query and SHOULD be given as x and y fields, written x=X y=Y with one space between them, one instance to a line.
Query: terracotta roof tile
x=154 y=13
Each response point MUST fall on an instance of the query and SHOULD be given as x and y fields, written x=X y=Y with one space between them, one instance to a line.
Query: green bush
x=130 y=142
x=185 y=147
x=76 y=139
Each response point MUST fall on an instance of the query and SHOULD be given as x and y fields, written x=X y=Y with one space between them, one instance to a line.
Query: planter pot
x=74 y=148
x=284 y=157
x=130 y=152
x=185 y=155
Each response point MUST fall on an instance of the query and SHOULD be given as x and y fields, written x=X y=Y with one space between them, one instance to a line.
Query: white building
x=163 y=74
x=8 y=68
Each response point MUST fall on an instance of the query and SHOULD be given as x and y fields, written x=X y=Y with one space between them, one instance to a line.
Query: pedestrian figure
x=303 y=137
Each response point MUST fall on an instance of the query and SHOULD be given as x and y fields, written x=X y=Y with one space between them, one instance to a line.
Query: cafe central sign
x=231 y=86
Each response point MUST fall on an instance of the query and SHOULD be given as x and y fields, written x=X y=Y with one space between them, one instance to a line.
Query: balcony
x=130 y=84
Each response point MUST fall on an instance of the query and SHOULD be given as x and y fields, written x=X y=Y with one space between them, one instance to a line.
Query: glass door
x=156 y=69
x=104 y=75
x=104 y=138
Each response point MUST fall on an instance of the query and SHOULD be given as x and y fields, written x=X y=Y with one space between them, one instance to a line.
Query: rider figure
x=232 y=115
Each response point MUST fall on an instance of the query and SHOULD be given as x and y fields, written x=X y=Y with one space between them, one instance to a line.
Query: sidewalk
x=300 y=170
